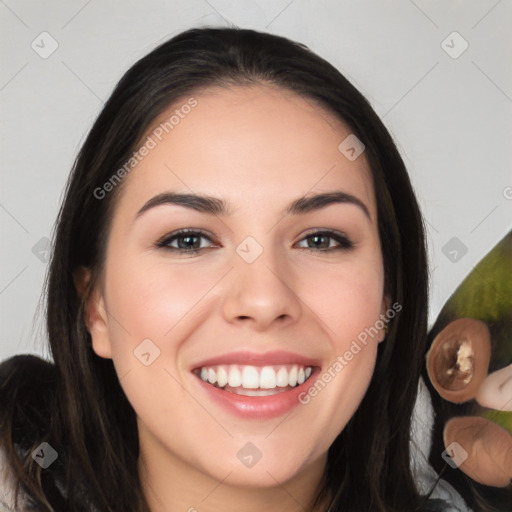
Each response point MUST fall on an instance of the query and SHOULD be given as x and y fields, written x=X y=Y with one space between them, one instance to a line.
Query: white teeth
x=250 y=378
x=268 y=378
x=282 y=377
x=292 y=378
x=222 y=376
x=235 y=379
x=254 y=377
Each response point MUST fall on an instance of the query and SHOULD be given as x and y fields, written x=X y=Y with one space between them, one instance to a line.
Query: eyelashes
x=188 y=237
x=344 y=242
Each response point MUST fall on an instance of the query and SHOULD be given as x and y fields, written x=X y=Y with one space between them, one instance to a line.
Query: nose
x=262 y=291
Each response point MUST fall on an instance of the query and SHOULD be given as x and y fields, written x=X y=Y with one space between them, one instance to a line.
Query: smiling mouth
x=250 y=380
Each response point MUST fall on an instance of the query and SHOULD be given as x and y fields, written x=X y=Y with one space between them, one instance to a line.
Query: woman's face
x=264 y=302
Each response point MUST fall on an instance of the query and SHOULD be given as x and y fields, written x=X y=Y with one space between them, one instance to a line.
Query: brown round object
x=458 y=359
x=488 y=447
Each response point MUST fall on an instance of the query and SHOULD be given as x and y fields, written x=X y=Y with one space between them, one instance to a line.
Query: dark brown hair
x=87 y=418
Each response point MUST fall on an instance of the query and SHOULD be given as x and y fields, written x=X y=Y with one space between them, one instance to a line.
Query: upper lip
x=258 y=359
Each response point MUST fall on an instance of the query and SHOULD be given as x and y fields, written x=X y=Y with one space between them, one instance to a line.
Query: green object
x=501 y=418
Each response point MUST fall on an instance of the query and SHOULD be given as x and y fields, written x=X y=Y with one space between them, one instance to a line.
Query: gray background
x=450 y=112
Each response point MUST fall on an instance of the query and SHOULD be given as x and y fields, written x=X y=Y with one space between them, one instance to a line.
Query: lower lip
x=258 y=407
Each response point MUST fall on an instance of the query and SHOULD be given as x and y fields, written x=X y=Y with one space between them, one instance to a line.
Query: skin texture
x=260 y=148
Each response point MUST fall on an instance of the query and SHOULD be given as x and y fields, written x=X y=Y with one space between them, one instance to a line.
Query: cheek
x=156 y=301
x=348 y=298
x=152 y=311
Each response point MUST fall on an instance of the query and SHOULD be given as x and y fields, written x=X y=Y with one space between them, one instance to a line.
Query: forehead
x=260 y=143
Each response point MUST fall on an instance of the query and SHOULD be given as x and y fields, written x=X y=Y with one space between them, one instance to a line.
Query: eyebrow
x=216 y=206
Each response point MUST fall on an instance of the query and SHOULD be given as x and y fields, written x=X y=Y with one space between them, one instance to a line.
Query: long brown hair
x=87 y=418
